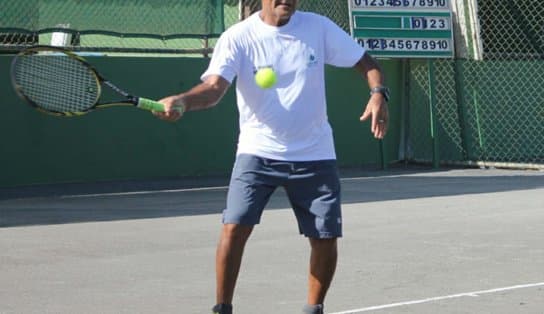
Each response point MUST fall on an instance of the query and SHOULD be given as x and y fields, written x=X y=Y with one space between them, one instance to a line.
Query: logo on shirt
x=312 y=60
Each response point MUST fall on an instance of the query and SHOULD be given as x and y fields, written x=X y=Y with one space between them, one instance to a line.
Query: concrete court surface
x=415 y=241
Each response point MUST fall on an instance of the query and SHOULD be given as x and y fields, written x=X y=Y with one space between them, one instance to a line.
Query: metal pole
x=433 y=120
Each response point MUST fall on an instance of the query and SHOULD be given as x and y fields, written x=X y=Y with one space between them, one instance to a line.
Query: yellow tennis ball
x=265 y=77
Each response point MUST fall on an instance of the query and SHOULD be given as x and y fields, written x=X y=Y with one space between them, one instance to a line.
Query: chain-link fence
x=167 y=26
x=488 y=112
x=113 y=25
x=336 y=10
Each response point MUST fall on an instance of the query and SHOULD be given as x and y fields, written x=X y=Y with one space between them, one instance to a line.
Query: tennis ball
x=265 y=77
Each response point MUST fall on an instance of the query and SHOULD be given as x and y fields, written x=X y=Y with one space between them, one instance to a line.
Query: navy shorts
x=313 y=189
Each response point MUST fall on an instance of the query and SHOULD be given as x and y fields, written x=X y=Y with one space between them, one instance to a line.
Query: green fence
x=139 y=26
x=123 y=143
x=488 y=112
x=113 y=25
x=38 y=149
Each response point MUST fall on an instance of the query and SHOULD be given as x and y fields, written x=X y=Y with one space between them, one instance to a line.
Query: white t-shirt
x=288 y=121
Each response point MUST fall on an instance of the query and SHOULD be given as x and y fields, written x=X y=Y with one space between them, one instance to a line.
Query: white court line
x=213 y=188
x=452 y=296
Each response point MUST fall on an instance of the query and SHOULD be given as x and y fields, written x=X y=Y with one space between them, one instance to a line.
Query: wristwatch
x=382 y=90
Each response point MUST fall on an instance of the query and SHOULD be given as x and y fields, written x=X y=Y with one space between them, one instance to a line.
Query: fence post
x=405 y=111
x=383 y=161
x=462 y=110
x=432 y=111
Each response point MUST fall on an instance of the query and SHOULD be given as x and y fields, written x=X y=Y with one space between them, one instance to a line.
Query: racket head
x=55 y=81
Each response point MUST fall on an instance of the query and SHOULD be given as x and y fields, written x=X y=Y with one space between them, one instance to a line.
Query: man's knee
x=236 y=232
x=323 y=244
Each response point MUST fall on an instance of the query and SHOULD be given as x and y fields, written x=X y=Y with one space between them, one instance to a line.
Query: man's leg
x=314 y=192
x=253 y=181
x=228 y=259
x=323 y=259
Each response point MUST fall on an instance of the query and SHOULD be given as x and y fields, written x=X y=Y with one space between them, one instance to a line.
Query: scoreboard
x=403 y=28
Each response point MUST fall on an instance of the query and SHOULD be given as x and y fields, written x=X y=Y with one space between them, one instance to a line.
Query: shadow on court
x=75 y=203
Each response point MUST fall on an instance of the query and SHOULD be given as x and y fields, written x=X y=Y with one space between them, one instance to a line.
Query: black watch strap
x=382 y=90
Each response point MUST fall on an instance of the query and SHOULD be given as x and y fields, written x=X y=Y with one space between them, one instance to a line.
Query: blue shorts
x=313 y=188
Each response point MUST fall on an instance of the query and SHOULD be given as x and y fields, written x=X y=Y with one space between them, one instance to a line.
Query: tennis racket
x=59 y=82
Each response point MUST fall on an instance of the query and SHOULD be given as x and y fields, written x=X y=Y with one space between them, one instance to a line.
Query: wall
x=125 y=143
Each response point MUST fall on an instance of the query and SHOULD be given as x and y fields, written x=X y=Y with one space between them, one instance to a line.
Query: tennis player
x=285 y=138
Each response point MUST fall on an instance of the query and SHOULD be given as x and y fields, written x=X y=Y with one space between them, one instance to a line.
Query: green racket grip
x=149 y=104
x=152 y=105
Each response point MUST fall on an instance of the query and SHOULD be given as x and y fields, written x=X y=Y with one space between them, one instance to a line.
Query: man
x=285 y=138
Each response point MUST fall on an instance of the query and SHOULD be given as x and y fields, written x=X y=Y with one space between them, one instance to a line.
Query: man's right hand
x=173 y=109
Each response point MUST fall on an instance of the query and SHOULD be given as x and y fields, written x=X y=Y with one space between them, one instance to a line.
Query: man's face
x=280 y=9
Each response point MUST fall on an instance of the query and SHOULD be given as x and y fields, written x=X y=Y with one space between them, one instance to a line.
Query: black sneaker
x=313 y=309
x=222 y=309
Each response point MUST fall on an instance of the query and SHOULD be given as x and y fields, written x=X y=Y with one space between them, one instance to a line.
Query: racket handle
x=149 y=104
x=152 y=105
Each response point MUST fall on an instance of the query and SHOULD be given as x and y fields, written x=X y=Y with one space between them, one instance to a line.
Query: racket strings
x=56 y=82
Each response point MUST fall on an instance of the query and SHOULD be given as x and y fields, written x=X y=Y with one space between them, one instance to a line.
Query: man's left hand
x=377 y=110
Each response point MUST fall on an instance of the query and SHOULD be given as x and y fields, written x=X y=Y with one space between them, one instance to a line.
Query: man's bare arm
x=203 y=96
x=376 y=108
